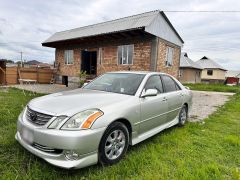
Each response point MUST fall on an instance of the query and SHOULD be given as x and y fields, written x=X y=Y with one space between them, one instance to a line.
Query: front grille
x=47 y=149
x=37 y=118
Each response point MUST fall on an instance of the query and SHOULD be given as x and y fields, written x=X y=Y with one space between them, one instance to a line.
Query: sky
x=25 y=24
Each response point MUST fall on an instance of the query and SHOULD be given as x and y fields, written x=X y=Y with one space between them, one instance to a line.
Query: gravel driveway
x=205 y=103
x=44 y=88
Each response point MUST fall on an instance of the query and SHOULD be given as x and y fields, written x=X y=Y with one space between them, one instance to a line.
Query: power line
x=202 y=11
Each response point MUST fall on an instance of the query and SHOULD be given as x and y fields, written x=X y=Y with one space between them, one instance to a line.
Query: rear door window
x=169 y=84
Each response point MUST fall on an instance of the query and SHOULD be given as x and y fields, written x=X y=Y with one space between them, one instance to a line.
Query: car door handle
x=164 y=99
x=181 y=95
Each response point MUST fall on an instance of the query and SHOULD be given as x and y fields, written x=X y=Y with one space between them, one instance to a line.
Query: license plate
x=27 y=135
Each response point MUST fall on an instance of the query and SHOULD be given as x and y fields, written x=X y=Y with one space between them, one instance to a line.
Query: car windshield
x=122 y=83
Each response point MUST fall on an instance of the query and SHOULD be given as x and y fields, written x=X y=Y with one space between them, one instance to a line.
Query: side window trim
x=163 y=84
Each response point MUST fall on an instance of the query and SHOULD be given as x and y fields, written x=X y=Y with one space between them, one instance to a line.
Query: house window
x=100 y=55
x=68 y=56
x=169 y=56
x=125 y=54
x=180 y=73
x=209 y=72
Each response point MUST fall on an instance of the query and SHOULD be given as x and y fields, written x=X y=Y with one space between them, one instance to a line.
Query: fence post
x=37 y=75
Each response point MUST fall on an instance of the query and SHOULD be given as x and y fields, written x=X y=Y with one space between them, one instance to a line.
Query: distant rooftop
x=207 y=63
x=232 y=74
x=186 y=62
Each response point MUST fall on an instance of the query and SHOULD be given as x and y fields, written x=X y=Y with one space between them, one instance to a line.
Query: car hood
x=71 y=102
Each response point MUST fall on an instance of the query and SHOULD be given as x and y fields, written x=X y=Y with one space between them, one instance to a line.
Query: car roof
x=136 y=72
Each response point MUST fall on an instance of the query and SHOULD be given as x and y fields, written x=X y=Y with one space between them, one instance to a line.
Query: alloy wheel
x=115 y=144
x=183 y=116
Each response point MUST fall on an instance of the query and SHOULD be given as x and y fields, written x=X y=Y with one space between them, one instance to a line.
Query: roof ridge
x=82 y=27
x=211 y=61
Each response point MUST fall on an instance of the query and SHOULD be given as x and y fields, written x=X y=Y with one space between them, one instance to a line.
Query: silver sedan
x=98 y=122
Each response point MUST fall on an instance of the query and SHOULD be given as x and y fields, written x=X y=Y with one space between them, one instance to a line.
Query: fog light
x=71 y=155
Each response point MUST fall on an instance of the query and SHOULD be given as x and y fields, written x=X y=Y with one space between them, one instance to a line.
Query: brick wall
x=141 y=59
x=161 y=66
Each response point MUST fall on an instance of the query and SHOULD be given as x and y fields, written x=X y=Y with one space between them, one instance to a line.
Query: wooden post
x=37 y=75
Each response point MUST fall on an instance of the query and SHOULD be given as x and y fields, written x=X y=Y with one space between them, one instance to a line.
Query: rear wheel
x=183 y=115
x=114 y=144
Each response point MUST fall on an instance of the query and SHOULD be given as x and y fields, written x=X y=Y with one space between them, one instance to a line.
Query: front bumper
x=84 y=142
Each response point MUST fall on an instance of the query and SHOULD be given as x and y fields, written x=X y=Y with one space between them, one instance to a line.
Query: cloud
x=25 y=25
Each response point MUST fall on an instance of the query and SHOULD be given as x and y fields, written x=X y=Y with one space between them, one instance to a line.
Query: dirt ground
x=205 y=103
x=44 y=88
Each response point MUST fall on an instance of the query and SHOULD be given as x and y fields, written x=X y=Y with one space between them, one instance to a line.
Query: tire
x=183 y=116
x=114 y=144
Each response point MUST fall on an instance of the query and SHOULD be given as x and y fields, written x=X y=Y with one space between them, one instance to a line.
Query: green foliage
x=214 y=87
x=82 y=77
x=207 y=150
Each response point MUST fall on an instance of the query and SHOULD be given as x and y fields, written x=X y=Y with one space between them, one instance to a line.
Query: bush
x=82 y=78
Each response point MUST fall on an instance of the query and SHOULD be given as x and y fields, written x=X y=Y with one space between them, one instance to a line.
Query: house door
x=89 y=62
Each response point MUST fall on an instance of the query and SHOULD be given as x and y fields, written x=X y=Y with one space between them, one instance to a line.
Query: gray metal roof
x=186 y=62
x=207 y=63
x=232 y=74
x=153 y=22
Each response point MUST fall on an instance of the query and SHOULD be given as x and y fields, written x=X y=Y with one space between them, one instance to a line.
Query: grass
x=207 y=150
x=214 y=87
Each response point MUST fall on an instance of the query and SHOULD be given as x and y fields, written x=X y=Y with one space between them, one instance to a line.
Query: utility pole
x=21 y=58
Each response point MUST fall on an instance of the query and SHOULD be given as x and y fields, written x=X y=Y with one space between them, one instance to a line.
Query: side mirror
x=149 y=92
x=187 y=87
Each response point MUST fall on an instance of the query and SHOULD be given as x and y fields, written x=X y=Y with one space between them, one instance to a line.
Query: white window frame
x=67 y=54
x=127 y=60
x=168 y=61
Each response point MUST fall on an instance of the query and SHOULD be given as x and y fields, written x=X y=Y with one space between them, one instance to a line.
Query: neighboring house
x=232 y=77
x=190 y=71
x=32 y=63
x=143 y=42
x=212 y=72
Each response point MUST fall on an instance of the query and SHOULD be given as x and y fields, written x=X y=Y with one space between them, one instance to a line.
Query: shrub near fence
x=41 y=75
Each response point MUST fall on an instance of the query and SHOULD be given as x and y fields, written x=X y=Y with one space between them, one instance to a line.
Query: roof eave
x=49 y=43
x=191 y=67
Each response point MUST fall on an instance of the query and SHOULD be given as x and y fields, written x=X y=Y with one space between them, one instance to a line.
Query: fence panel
x=40 y=75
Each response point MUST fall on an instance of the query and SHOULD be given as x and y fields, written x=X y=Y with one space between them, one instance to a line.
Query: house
x=212 y=72
x=190 y=71
x=143 y=42
x=32 y=63
x=232 y=77
x=35 y=63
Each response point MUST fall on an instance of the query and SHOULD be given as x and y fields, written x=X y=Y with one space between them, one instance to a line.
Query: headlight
x=82 y=120
x=56 y=122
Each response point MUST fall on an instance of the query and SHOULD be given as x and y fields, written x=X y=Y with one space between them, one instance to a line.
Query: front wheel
x=114 y=144
x=183 y=115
